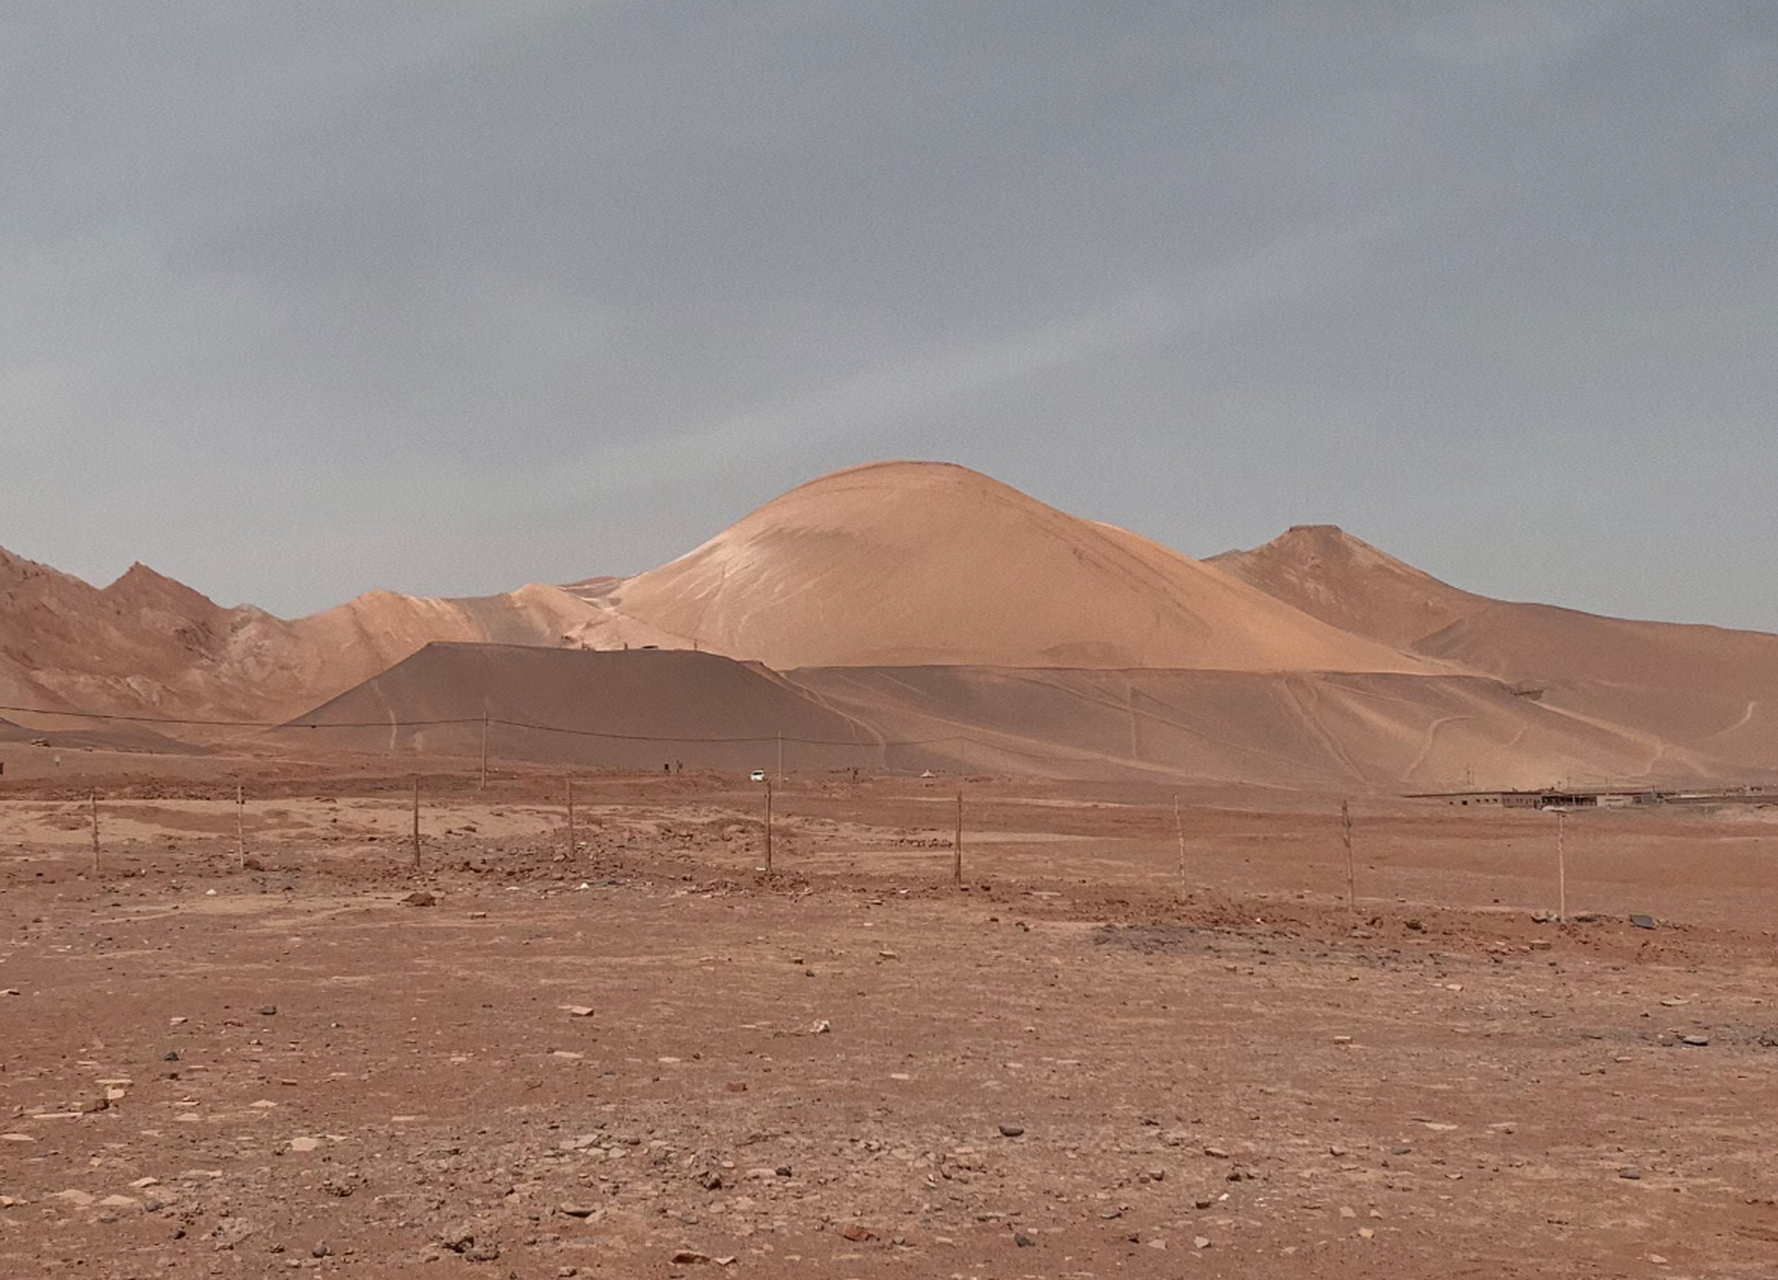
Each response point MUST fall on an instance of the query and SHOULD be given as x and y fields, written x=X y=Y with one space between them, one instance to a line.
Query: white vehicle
x=759 y=775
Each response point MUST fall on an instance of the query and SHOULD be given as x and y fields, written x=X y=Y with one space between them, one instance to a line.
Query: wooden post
x=416 y=822
x=768 y=826
x=483 y=784
x=780 y=759
x=1561 y=865
x=241 y=823
x=957 y=846
x=1351 y=864
x=1179 y=831
x=95 y=801
x=572 y=849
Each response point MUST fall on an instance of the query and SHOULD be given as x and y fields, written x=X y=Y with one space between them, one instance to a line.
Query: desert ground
x=1124 y=1046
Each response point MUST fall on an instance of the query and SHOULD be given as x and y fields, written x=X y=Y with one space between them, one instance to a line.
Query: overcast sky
x=443 y=296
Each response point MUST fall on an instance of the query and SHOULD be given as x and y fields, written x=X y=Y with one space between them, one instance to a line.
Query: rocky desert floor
x=648 y=1058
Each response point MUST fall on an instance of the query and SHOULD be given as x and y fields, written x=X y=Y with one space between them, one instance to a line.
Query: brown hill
x=908 y=563
x=625 y=709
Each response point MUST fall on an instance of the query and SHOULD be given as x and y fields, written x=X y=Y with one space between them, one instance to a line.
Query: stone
x=79 y=1199
x=857 y=1233
x=576 y=1210
x=305 y=1144
x=690 y=1257
x=579 y=1010
x=1012 y=1130
x=1200 y=1242
x=1695 y=1041
x=420 y=898
x=268 y=1011
x=1022 y=1240
x=1630 y=1175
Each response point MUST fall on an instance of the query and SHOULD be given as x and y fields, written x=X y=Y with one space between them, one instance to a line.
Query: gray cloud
x=445 y=296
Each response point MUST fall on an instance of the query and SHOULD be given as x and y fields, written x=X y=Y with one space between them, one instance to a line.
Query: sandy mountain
x=909 y=563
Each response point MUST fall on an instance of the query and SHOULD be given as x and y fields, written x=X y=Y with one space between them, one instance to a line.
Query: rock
x=79 y=1199
x=1630 y=1175
x=858 y=1233
x=711 y=1181
x=1216 y=1153
x=305 y=1144
x=321 y=1250
x=420 y=898
x=576 y=1210
x=93 y=1106
x=1200 y=1242
x=689 y=1257
x=1695 y=1041
x=579 y=1010
x=1157 y=1175
x=1012 y=1130
x=268 y=1011
x=822 y=1027
x=1022 y=1240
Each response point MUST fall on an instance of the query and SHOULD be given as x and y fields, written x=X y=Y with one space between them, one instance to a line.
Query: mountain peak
x=1345 y=581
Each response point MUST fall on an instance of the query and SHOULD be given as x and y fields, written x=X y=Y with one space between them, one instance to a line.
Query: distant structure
x=1597 y=798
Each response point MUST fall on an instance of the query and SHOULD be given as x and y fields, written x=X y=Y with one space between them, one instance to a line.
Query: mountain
x=911 y=563
x=1680 y=687
x=151 y=646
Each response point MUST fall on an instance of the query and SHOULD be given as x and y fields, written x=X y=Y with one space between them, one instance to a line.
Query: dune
x=909 y=563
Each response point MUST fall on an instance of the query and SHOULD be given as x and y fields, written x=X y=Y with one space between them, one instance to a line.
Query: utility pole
x=768 y=826
x=416 y=822
x=572 y=849
x=95 y=801
x=483 y=784
x=780 y=758
x=241 y=823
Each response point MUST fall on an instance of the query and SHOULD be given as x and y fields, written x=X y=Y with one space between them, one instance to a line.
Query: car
x=759 y=775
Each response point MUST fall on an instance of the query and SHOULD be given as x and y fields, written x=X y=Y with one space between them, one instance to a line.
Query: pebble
x=1697 y=1042
x=1012 y=1131
x=1631 y=1175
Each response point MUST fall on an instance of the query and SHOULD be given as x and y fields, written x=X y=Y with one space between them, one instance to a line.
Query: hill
x=908 y=563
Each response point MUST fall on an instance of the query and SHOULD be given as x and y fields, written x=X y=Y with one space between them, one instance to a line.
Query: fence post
x=572 y=850
x=1561 y=866
x=1179 y=832
x=1351 y=863
x=241 y=823
x=768 y=826
x=416 y=822
x=957 y=846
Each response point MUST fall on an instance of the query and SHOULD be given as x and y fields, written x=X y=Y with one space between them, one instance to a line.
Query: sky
x=445 y=296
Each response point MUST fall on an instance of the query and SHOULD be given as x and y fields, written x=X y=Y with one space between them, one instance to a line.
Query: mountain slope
x=904 y=563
